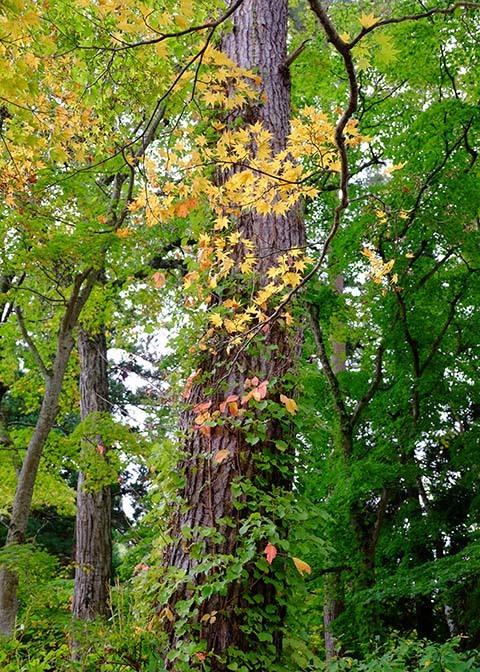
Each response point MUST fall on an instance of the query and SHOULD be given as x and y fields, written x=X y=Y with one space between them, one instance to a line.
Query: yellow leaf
x=161 y=49
x=302 y=566
x=216 y=319
x=388 y=266
x=220 y=223
x=247 y=265
x=392 y=169
x=368 y=20
x=370 y=254
x=233 y=238
x=181 y=21
x=290 y=404
x=166 y=612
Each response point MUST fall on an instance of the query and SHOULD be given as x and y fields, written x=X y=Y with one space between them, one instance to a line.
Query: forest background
x=291 y=192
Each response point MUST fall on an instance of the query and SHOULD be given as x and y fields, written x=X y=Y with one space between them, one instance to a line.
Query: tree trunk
x=333 y=607
x=256 y=41
x=93 y=559
x=26 y=480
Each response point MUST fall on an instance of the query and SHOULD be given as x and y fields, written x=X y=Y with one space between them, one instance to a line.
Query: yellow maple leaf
x=368 y=20
x=247 y=265
x=216 y=319
x=221 y=223
x=292 y=279
x=263 y=207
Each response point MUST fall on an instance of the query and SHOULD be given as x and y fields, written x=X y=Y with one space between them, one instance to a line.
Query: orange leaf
x=158 y=278
x=302 y=566
x=200 y=419
x=233 y=408
x=221 y=455
x=189 y=383
x=228 y=402
x=271 y=552
x=260 y=392
x=202 y=407
x=184 y=207
x=123 y=233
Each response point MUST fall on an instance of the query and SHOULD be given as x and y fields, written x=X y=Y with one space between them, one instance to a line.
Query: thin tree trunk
x=257 y=40
x=333 y=602
x=93 y=558
x=48 y=411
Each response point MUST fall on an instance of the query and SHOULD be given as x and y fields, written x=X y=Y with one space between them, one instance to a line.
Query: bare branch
x=295 y=54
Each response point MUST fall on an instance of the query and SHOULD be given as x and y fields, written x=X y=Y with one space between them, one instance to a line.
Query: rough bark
x=257 y=40
x=93 y=555
x=48 y=411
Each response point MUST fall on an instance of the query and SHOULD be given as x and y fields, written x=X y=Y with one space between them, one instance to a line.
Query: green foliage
x=387 y=498
x=412 y=656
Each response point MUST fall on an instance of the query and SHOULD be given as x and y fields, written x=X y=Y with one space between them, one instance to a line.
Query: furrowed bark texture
x=93 y=555
x=256 y=41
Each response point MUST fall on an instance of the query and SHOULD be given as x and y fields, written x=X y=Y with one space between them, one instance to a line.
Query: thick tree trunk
x=93 y=559
x=48 y=411
x=257 y=40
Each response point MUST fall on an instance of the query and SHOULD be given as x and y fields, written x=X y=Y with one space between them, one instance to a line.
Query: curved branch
x=413 y=17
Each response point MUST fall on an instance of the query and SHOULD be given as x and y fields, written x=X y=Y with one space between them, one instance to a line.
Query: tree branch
x=443 y=331
x=295 y=54
x=332 y=379
x=377 y=379
x=413 y=17
x=46 y=373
